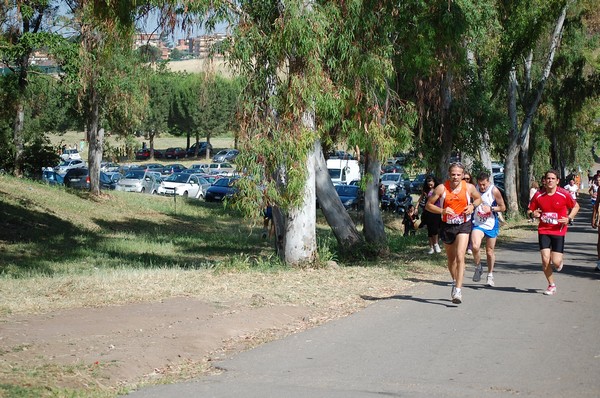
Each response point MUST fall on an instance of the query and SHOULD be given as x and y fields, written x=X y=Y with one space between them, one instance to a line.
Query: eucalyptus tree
x=530 y=39
x=573 y=94
x=25 y=27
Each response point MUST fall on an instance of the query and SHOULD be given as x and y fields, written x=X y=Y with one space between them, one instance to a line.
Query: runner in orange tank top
x=455 y=209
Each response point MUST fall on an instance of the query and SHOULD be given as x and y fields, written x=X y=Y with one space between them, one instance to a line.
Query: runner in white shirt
x=486 y=224
x=572 y=188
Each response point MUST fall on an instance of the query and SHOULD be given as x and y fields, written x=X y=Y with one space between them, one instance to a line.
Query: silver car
x=183 y=184
x=67 y=165
x=139 y=181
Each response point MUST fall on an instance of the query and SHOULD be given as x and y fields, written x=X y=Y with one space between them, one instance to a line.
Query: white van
x=343 y=171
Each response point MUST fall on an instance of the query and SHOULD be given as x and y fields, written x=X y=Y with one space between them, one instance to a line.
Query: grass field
x=62 y=249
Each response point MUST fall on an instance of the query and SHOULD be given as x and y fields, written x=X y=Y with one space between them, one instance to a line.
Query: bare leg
x=476 y=238
x=546 y=266
x=490 y=245
x=456 y=258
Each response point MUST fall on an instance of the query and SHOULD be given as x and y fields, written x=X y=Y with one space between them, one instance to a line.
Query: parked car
x=51 y=177
x=109 y=167
x=197 y=168
x=109 y=180
x=221 y=168
x=172 y=169
x=70 y=154
x=149 y=166
x=416 y=186
x=339 y=155
x=222 y=188
x=202 y=145
x=138 y=180
x=394 y=180
x=392 y=168
x=67 y=165
x=175 y=153
x=78 y=178
x=187 y=185
x=497 y=167
x=142 y=154
x=350 y=195
x=226 y=155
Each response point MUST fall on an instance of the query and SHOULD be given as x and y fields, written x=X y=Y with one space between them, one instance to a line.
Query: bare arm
x=500 y=205
x=595 y=215
x=430 y=206
x=476 y=199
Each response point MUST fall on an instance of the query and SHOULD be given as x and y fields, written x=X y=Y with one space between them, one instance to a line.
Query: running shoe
x=478 y=272
x=559 y=268
x=469 y=252
x=437 y=248
x=490 y=280
x=457 y=296
x=551 y=290
x=430 y=251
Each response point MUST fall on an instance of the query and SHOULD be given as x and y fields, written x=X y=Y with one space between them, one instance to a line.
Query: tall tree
x=24 y=29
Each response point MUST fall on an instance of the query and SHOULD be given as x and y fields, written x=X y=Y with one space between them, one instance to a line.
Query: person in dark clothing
x=410 y=218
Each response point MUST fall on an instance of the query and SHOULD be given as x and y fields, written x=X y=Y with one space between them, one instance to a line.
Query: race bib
x=549 y=218
x=483 y=216
x=455 y=219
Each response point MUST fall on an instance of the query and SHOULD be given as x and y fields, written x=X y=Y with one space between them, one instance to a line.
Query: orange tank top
x=457 y=202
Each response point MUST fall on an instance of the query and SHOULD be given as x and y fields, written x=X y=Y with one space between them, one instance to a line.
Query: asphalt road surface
x=509 y=340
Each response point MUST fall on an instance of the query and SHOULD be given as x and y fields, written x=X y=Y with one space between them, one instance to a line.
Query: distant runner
x=595 y=222
x=456 y=209
x=555 y=208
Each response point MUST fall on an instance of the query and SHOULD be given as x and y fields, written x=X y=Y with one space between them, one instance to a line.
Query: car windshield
x=335 y=173
x=222 y=153
x=346 y=190
x=179 y=177
x=390 y=177
x=135 y=174
x=223 y=182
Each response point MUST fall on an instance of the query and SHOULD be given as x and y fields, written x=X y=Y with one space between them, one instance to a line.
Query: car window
x=223 y=182
x=136 y=175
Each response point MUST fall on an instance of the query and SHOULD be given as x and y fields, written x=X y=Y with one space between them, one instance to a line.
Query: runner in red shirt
x=555 y=208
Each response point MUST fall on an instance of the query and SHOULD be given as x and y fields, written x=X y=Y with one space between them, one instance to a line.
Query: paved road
x=505 y=341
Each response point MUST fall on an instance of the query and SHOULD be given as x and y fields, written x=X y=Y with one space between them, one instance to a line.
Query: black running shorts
x=448 y=232
x=553 y=242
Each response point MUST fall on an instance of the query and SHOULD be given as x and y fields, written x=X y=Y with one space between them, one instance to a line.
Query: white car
x=183 y=184
x=67 y=165
x=224 y=169
x=139 y=180
x=70 y=154
x=393 y=181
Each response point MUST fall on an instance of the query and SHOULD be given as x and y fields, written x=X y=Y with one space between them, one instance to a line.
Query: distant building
x=154 y=40
x=201 y=46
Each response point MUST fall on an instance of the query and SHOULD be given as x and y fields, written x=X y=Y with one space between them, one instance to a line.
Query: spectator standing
x=431 y=220
x=486 y=224
x=555 y=208
x=455 y=207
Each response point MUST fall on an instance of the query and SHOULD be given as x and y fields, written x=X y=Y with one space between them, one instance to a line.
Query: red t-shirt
x=553 y=208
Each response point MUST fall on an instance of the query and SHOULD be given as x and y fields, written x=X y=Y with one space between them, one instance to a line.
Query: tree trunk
x=18 y=138
x=484 y=150
x=524 y=178
x=510 y=164
x=374 y=229
x=445 y=127
x=95 y=142
x=299 y=241
x=342 y=226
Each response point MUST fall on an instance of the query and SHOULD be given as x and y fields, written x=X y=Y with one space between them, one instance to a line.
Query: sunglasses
x=467 y=178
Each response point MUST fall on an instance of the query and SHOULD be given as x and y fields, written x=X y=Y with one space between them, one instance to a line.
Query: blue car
x=221 y=189
x=350 y=196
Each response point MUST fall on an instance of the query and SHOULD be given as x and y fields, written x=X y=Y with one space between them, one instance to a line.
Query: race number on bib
x=455 y=219
x=483 y=216
x=549 y=218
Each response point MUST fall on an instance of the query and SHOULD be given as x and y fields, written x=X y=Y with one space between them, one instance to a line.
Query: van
x=343 y=171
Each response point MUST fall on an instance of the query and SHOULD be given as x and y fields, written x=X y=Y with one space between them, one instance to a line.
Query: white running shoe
x=559 y=268
x=490 y=280
x=469 y=252
x=551 y=290
x=478 y=272
x=457 y=296
x=430 y=251
x=438 y=249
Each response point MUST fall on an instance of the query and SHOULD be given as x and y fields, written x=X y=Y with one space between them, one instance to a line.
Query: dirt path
x=127 y=343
